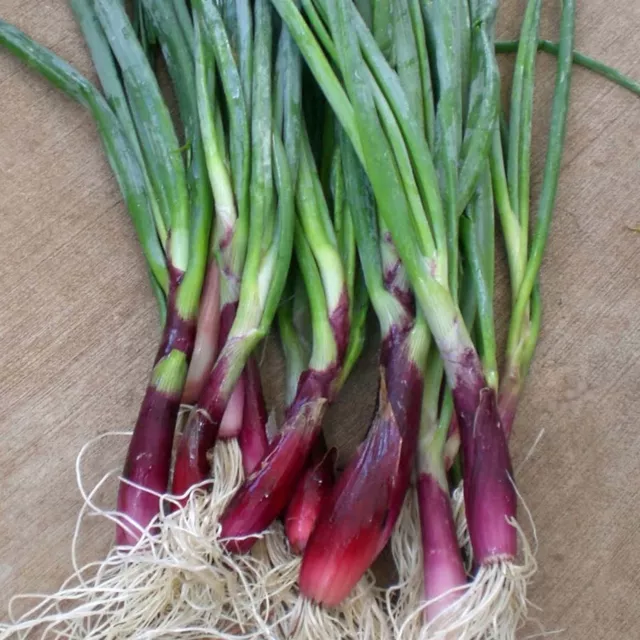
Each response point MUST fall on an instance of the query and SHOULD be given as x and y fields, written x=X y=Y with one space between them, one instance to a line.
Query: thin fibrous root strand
x=175 y=582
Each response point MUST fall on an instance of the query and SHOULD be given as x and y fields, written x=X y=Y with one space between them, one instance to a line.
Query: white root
x=360 y=617
x=405 y=597
x=493 y=606
x=462 y=530
x=176 y=582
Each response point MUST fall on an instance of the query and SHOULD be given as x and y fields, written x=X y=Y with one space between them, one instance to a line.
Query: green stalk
x=442 y=19
x=462 y=52
x=441 y=311
x=122 y=159
x=520 y=111
x=356 y=287
x=114 y=92
x=477 y=240
x=582 y=60
x=383 y=19
x=245 y=44
x=407 y=62
x=213 y=49
x=508 y=218
x=183 y=17
x=425 y=172
x=296 y=357
x=324 y=350
x=362 y=208
x=318 y=228
x=420 y=38
x=319 y=28
x=320 y=67
x=557 y=132
x=180 y=64
x=365 y=7
x=484 y=100
x=290 y=85
x=357 y=327
x=261 y=188
x=273 y=274
x=153 y=122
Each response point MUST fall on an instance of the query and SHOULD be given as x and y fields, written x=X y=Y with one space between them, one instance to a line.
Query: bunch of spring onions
x=327 y=156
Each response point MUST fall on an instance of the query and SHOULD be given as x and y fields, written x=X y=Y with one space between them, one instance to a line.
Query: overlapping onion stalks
x=387 y=196
x=169 y=197
x=424 y=226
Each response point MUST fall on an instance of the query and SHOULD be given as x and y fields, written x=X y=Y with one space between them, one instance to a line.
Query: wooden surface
x=78 y=329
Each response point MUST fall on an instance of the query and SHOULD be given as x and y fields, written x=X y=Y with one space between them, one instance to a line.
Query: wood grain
x=78 y=329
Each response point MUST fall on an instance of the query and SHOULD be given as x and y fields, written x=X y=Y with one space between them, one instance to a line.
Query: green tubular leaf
x=155 y=129
x=343 y=223
x=388 y=88
x=534 y=329
x=440 y=310
x=418 y=213
x=114 y=92
x=261 y=187
x=161 y=299
x=296 y=356
x=169 y=374
x=416 y=143
x=357 y=329
x=407 y=62
x=508 y=219
x=211 y=44
x=420 y=38
x=282 y=247
x=442 y=17
x=320 y=67
x=324 y=350
x=520 y=110
x=557 y=133
x=383 y=20
x=526 y=128
x=365 y=225
x=121 y=157
x=365 y=7
x=313 y=213
x=319 y=28
x=223 y=192
x=245 y=44
x=292 y=101
x=582 y=60
x=477 y=240
x=184 y=20
x=181 y=68
x=215 y=38
x=485 y=105
x=462 y=51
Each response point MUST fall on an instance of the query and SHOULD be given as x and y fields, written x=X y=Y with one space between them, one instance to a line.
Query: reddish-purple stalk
x=359 y=515
x=215 y=406
x=265 y=494
x=253 y=435
x=508 y=399
x=312 y=490
x=206 y=342
x=231 y=422
x=444 y=574
x=489 y=491
x=148 y=460
x=201 y=431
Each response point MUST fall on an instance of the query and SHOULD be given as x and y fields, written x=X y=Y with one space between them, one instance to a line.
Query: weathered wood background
x=78 y=329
